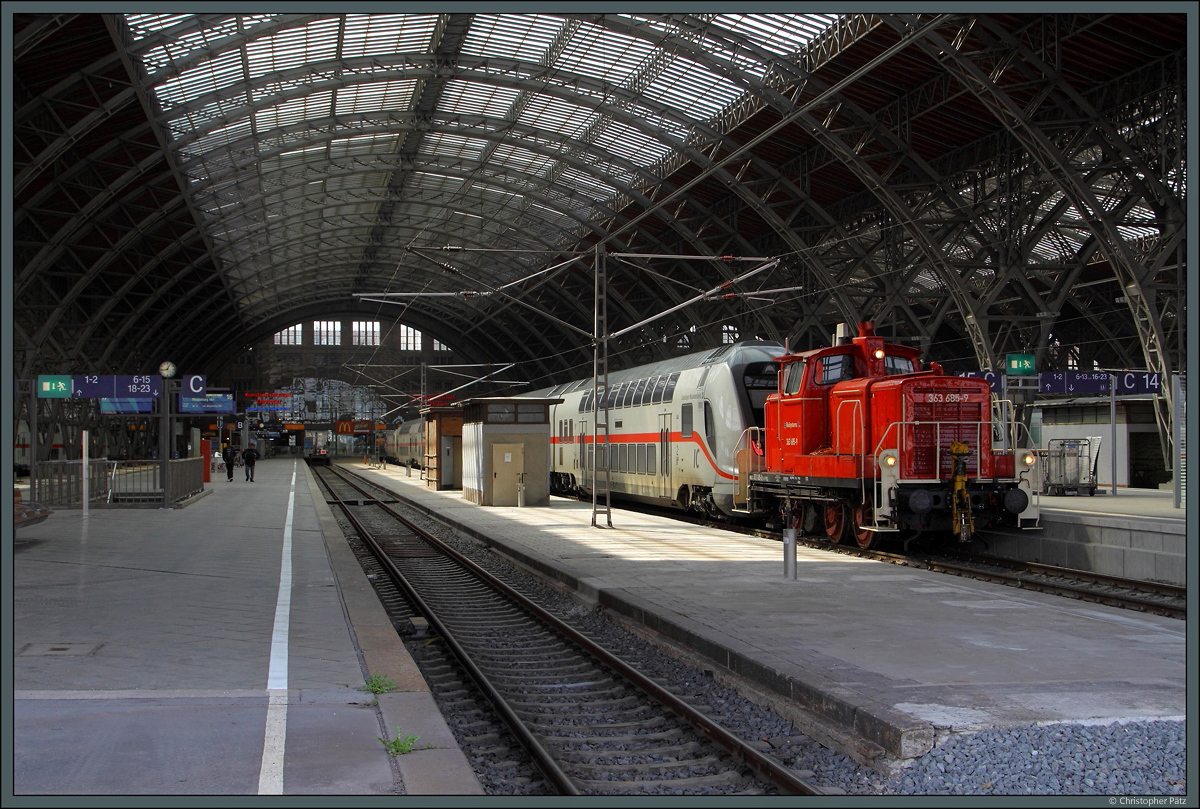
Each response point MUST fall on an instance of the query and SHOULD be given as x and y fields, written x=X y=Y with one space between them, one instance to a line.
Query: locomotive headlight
x=1029 y=459
x=889 y=460
x=879 y=353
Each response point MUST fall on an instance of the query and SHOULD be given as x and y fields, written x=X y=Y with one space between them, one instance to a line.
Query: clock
x=167 y=369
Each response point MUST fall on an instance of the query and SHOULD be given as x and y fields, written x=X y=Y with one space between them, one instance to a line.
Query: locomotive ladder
x=600 y=382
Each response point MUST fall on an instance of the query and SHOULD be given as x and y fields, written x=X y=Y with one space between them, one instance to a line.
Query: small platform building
x=506 y=451
x=443 y=447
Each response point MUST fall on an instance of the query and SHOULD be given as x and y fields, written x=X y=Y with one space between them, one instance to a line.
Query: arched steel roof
x=977 y=183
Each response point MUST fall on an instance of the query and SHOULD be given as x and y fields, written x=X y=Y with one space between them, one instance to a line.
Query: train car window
x=639 y=396
x=685 y=427
x=660 y=385
x=669 y=393
x=583 y=403
x=627 y=398
x=835 y=369
x=710 y=427
x=650 y=459
x=760 y=376
x=898 y=365
x=612 y=396
x=624 y=458
x=703 y=377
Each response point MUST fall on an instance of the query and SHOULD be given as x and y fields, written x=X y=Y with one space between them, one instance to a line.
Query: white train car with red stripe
x=674 y=426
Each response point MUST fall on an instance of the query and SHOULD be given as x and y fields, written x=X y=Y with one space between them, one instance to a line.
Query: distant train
x=405 y=445
x=852 y=440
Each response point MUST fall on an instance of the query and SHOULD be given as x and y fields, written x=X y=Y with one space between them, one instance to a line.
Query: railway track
x=1159 y=598
x=590 y=722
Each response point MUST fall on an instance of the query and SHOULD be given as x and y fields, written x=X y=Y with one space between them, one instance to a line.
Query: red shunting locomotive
x=860 y=442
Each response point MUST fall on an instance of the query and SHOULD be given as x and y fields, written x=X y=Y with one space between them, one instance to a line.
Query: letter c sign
x=195 y=384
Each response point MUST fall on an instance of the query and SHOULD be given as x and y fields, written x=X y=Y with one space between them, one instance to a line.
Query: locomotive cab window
x=793 y=374
x=835 y=369
x=898 y=365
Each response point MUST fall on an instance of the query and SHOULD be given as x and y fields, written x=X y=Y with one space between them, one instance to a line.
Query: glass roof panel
x=292 y=47
x=546 y=112
x=602 y=54
x=384 y=95
x=307 y=108
x=785 y=34
x=379 y=34
x=693 y=90
x=527 y=37
x=474 y=98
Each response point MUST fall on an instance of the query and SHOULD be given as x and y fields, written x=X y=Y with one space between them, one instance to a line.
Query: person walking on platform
x=250 y=456
x=230 y=456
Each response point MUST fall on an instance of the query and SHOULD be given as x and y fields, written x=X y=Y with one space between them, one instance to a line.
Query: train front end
x=944 y=464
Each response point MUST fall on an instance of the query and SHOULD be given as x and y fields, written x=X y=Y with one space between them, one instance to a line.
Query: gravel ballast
x=1121 y=758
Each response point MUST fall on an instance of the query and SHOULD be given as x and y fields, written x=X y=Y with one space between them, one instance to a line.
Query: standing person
x=382 y=457
x=230 y=456
x=250 y=456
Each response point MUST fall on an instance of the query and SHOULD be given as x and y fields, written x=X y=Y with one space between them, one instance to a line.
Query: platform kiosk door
x=508 y=463
x=451 y=469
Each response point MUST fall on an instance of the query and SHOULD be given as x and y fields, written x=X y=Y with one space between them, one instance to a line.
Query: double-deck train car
x=673 y=427
x=405 y=445
x=860 y=443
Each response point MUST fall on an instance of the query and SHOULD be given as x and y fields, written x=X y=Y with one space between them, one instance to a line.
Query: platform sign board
x=107 y=386
x=208 y=403
x=995 y=379
x=1130 y=382
x=53 y=386
x=1020 y=364
x=1079 y=383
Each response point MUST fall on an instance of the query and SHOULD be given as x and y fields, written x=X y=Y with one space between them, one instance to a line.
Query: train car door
x=664 y=455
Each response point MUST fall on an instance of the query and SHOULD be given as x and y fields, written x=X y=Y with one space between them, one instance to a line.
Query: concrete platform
x=211 y=650
x=1136 y=533
x=887 y=659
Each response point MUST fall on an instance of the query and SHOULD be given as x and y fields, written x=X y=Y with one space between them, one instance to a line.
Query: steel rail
x=766 y=766
x=542 y=757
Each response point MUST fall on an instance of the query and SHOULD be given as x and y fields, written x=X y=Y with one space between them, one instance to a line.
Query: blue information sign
x=1073 y=382
x=994 y=379
x=1138 y=382
x=96 y=386
x=208 y=403
x=126 y=405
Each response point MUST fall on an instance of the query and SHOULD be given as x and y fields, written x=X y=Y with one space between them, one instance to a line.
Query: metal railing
x=117 y=484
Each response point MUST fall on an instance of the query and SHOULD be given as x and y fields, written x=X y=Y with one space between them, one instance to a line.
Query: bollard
x=789 y=553
x=520 y=495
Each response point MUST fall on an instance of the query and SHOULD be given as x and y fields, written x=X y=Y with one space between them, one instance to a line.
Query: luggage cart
x=1070 y=466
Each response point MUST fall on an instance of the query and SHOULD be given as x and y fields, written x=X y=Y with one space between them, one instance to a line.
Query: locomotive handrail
x=757 y=436
x=899 y=447
x=860 y=458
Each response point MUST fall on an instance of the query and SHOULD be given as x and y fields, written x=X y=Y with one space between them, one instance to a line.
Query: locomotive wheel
x=835 y=522
x=862 y=516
